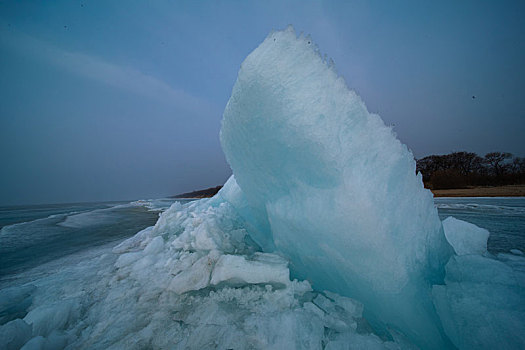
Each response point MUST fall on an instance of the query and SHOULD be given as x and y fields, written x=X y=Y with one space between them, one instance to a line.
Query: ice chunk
x=53 y=342
x=516 y=252
x=127 y=259
x=263 y=269
x=465 y=238
x=14 y=302
x=324 y=182
x=56 y=340
x=47 y=318
x=482 y=304
x=479 y=269
x=14 y=334
x=353 y=341
x=196 y=277
x=155 y=246
x=36 y=343
x=136 y=242
x=353 y=307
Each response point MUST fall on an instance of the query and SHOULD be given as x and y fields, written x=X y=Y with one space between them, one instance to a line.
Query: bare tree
x=496 y=161
x=459 y=169
x=466 y=162
x=518 y=165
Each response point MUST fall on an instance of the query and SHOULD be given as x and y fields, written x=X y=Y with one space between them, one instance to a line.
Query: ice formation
x=328 y=185
x=324 y=238
x=193 y=281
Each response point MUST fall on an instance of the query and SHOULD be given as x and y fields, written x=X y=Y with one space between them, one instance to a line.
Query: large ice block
x=324 y=182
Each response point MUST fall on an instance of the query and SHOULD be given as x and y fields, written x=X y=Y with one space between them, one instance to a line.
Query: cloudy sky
x=111 y=100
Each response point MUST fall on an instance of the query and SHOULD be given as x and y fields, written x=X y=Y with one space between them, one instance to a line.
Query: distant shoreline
x=483 y=191
x=479 y=191
x=209 y=192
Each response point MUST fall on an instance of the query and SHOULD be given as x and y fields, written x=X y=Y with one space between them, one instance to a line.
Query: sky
x=118 y=100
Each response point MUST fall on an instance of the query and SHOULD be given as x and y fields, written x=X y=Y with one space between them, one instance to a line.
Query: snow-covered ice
x=324 y=238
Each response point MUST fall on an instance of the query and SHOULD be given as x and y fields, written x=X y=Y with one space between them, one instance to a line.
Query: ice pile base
x=195 y=280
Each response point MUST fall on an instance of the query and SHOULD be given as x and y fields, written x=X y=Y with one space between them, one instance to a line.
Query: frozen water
x=326 y=183
x=465 y=238
x=322 y=181
x=262 y=269
x=59 y=230
x=14 y=334
x=194 y=280
x=323 y=238
x=482 y=304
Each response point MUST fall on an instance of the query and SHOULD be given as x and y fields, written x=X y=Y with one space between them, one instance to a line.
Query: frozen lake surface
x=33 y=235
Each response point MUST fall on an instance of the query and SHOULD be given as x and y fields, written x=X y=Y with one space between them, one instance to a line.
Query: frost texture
x=328 y=185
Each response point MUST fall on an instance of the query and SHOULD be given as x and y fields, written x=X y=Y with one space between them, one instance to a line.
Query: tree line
x=464 y=169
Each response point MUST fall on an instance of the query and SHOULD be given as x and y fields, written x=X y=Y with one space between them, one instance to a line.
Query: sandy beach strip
x=495 y=191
